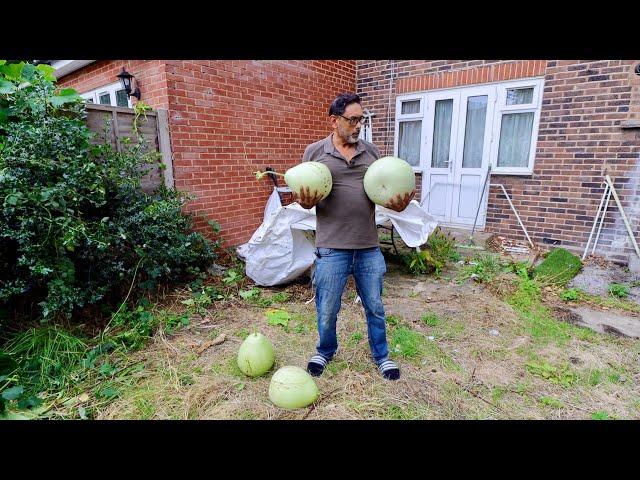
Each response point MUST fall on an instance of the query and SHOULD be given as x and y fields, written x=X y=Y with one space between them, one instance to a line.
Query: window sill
x=630 y=124
x=505 y=173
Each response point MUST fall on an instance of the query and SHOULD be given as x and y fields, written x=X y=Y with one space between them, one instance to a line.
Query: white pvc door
x=472 y=159
x=441 y=142
x=458 y=144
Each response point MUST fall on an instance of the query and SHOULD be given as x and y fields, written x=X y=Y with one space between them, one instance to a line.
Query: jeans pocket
x=372 y=263
x=324 y=252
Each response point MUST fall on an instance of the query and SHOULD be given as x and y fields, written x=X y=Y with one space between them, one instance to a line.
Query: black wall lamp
x=126 y=79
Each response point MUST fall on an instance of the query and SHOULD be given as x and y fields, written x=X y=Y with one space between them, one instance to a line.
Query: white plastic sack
x=282 y=248
x=273 y=203
x=272 y=206
x=413 y=224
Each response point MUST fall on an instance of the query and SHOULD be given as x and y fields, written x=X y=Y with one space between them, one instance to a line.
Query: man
x=346 y=235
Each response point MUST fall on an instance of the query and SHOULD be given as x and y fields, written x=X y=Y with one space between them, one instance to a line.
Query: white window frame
x=502 y=108
x=410 y=117
x=537 y=83
x=111 y=89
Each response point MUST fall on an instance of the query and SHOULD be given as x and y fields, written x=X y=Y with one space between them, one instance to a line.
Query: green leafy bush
x=439 y=250
x=422 y=262
x=75 y=227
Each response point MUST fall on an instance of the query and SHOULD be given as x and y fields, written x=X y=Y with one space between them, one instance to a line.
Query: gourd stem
x=259 y=174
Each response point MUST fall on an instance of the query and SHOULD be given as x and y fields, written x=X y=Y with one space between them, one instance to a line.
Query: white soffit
x=65 y=67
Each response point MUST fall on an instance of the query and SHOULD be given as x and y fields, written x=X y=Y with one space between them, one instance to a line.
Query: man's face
x=346 y=131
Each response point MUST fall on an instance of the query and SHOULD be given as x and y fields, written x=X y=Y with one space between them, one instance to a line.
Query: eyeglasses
x=353 y=121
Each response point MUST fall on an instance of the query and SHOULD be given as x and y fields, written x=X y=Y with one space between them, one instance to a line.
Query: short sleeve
x=375 y=152
x=306 y=156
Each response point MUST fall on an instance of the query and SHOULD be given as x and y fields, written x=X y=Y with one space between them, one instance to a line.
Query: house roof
x=65 y=67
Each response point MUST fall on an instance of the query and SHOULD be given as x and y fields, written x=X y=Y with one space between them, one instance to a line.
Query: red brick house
x=547 y=128
x=227 y=119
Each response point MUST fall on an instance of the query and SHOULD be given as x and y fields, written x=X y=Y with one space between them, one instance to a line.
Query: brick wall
x=228 y=119
x=583 y=104
x=150 y=75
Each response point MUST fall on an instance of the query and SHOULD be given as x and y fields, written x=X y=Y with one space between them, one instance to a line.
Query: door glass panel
x=441 y=133
x=409 y=142
x=474 y=132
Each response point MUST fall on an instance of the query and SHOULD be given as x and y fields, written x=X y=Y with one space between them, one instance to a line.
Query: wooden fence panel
x=114 y=125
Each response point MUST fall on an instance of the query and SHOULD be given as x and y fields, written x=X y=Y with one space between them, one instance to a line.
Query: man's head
x=346 y=117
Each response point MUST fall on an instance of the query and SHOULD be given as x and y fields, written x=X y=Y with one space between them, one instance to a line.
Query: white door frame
x=437 y=183
x=474 y=174
x=450 y=215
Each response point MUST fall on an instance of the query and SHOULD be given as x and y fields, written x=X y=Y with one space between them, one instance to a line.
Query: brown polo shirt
x=346 y=218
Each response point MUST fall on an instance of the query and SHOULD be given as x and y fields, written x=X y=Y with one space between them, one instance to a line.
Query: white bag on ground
x=273 y=203
x=283 y=247
x=272 y=206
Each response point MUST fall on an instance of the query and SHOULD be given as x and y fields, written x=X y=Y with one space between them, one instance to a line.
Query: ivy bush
x=75 y=227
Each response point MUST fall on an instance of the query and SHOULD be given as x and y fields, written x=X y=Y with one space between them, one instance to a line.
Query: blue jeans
x=332 y=269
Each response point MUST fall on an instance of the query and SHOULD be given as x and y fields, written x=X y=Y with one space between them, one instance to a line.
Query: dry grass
x=471 y=364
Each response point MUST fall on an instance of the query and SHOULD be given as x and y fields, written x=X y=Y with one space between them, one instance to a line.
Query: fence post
x=116 y=130
x=164 y=145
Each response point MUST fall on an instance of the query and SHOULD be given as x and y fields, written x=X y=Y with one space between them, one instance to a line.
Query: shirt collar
x=330 y=148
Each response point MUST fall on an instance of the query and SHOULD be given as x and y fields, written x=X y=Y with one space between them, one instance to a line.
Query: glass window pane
x=474 y=132
x=515 y=139
x=104 y=99
x=519 y=96
x=121 y=98
x=409 y=142
x=441 y=133
x=88 y=100
x=412 y=106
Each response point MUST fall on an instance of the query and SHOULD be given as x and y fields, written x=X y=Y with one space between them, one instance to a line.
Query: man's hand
x=307 y=199
x=399 y=202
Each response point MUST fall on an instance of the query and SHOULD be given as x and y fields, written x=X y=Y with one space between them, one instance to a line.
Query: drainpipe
x=393 y=64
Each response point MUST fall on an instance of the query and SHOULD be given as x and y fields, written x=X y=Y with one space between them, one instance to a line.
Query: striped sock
x=389 y=370
x=316 y=365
